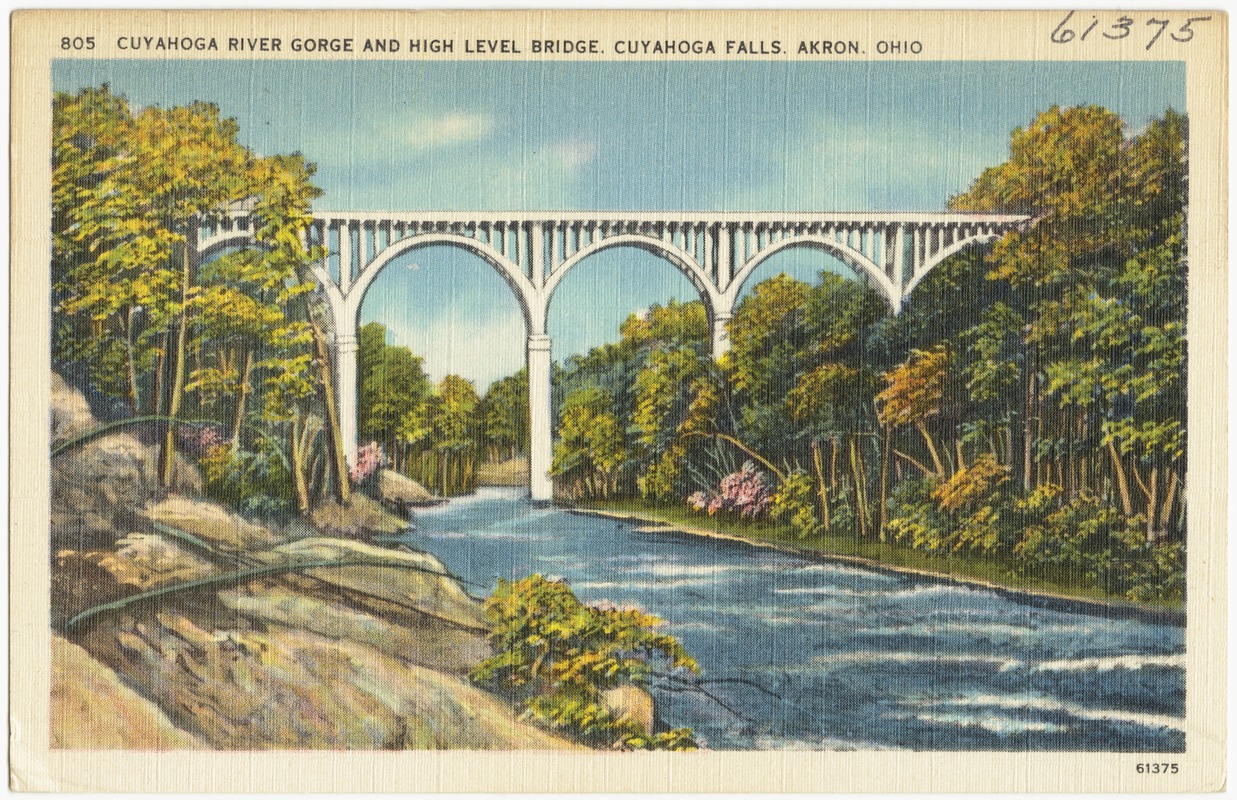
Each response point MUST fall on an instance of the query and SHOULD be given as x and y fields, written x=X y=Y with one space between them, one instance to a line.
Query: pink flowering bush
x=369 y=459
x=200 y=441
x=744 y=493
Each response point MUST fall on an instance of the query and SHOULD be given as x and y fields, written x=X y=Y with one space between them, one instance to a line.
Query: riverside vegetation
x=218 y=574
x=1023 y=419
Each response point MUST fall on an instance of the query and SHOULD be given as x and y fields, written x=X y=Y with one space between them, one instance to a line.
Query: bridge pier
x=345 y=378
x=720 y=334
x=541 y=453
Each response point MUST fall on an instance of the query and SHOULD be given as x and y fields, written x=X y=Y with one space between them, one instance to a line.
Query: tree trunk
x=927 y=437
x=335 y=441
x=298 y=471
x=167 y=458
x=135 y=400
x=1123 y=484
x=861 y=511
x=238 y=420
x=1170 y=497
x=820 y=485
x=1028 y=430
x=1152 y=491
x=884 y=490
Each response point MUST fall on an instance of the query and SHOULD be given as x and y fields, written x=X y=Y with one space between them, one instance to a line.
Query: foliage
x=258 y=481
x=557 y=656
x=793 y=503
x=506 y=416
x=175 y=331
x=744 y=493
x=590 y=447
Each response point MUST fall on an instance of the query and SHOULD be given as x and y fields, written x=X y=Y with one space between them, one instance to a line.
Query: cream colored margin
x=970 y=35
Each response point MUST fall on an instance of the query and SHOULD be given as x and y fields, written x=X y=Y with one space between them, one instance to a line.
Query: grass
x=513 y=472
x=996 y=570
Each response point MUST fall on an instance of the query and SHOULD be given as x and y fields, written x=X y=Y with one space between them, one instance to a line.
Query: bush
x=744 y=493
x=257 y=482
x=369 y=459
x=794 y=504
x=556 y=656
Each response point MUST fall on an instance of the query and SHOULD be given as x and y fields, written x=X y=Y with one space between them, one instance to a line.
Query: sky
x=547 y=135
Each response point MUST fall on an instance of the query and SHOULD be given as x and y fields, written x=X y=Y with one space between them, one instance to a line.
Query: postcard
x=627 y=401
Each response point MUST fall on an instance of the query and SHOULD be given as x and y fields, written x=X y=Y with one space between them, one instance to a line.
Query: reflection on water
x=798 y=654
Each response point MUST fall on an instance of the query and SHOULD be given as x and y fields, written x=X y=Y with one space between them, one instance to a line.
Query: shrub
x=369 y=459
x=255 y=482
x=744 y=493
x=794 y=504
x=556 y=656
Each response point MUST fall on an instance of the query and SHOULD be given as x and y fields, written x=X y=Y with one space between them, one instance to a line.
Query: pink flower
x=744 y=493
x=369 y=459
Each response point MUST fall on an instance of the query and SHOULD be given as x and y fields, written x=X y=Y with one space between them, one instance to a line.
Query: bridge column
x=721 y=336
x=345 y=368
x=541 y=454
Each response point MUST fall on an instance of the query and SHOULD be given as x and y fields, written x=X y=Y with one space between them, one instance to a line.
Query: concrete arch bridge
x=533 y=251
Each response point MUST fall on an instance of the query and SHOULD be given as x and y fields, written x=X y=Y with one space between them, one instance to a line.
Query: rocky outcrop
x=211 y=523
x=207 y=630
x=236 y=686
x=91 y=708
x=630 y=702
x=402 y=493
x=362 y=518
x=101 y=486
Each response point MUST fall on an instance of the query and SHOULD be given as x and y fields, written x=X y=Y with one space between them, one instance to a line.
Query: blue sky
x=727 y=135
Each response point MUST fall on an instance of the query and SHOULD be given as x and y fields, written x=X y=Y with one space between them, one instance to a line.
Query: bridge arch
x=526 y=296
x=953 y=249
x=676 y=256
x=856 y=260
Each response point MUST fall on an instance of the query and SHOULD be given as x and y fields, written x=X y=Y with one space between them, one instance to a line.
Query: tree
x=130 y=194
x=589 y=451
x=506 y=416
x=391 y=383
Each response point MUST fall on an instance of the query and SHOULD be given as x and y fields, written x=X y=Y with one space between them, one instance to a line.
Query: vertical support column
x=345 y=368
x=536 y=246
x=345 y=256
x=540 y=456
x=899 y=258
x=719 y=333
x=724 y=270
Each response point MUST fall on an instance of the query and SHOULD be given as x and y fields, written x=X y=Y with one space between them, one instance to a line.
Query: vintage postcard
x=618 y=401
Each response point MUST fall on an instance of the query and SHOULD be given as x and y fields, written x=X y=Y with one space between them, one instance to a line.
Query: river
x=811 y=655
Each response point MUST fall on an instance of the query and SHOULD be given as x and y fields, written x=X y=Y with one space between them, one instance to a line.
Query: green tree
x=390 y=385
x=506 y=416
x=130 y=195
x=589 y=451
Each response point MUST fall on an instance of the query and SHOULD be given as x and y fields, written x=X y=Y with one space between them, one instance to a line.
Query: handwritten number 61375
x=1122 y=27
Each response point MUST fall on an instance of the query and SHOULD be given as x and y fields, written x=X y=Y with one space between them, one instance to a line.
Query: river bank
x=178 y=623
x=885 y=558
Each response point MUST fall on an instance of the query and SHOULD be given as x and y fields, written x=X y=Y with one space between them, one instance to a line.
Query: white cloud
x=457 y=127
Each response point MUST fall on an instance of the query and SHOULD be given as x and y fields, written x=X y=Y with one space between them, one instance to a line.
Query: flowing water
x=804 y=654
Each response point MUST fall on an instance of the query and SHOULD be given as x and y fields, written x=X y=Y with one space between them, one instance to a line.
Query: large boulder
x=92 y=709
x=99 y=487
x=631 y=703
x=402 y=493
x=414 y=584
x=419 y=639
x=211 y=522
x=284 y=688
